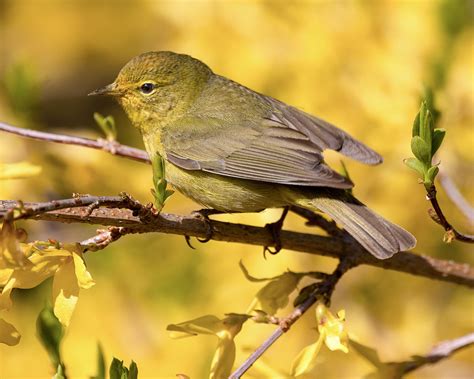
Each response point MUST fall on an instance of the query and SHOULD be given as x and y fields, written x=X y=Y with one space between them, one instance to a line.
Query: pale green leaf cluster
x=425 y=142
x=107 y=124
x=160 y=192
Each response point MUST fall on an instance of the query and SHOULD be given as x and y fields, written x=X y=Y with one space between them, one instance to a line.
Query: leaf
x=107 y=124
x=117 y=370
x=305 y=361
x=416 y=126
x=367 y=352
x=224 y=356
x=50 y=333
x=421 y=150
x=251 y=278
x=8 y=333
x=415 y=164
x=202 y=325
x=438 y=136
x=19 y=170
x=65 y=292
x=426 y=129
x=100 y=363
x=275 y=295
x=160 y=193
x=60 y=373
x=431 y=175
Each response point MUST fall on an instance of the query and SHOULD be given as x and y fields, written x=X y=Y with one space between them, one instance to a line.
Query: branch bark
x=407 y=262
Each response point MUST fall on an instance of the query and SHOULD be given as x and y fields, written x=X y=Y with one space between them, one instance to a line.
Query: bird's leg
x=275 y=228
x=203 y=214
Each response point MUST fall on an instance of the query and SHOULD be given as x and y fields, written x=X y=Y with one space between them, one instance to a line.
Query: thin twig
x=440 y=218
x=111 y=147
x=323 y=292
x=415 y=264
x=456 y=197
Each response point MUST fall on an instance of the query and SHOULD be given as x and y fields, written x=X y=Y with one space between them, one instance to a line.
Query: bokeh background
x=359 y=64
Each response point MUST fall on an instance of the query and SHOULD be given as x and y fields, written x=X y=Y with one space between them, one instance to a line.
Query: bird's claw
x=203 y=215
x=275 y=230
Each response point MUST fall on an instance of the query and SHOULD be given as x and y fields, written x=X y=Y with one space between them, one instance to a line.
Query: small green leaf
x=118 y=370
x=416 y=126
x=107 y=124
x=133 y=371
x=416 y=165
x=426 y=129
x=422 y=114
x=421 y=150
x=50 y=333
x=431 y=175
x=60 y=374
x=160 y=192
x=438 y=136
x=100 y=363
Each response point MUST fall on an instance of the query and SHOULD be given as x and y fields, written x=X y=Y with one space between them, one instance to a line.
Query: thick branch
x=419 y=265
x=111 y=147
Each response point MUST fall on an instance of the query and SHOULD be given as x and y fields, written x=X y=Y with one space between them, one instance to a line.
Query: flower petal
x=65 y=292
x=306 y=359
x=8 y=333
x=84 y=278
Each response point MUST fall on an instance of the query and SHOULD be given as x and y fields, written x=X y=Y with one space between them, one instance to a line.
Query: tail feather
x=379 y=236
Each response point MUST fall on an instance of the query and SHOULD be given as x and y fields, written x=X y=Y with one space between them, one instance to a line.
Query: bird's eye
x=147 y=88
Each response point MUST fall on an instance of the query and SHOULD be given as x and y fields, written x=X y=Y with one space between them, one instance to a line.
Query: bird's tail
x=379 y=236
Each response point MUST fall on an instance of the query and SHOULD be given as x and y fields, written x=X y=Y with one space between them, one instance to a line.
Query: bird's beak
x=109 y=90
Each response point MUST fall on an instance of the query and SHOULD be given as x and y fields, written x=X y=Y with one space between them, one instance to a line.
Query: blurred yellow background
x=361 y=65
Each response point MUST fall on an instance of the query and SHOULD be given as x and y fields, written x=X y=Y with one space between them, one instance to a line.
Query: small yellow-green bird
x=235 y=150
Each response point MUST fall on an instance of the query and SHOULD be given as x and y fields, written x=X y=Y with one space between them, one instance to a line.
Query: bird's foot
x=275 y=230
x=203 y=215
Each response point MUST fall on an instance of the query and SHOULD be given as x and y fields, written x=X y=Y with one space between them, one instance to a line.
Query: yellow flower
x=26 y=265
x=331 y=332
x=331 y=328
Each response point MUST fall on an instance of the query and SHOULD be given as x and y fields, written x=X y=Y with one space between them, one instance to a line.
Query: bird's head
x=156 y=87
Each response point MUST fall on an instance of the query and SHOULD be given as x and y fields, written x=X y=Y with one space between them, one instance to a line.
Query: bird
x=232 y=149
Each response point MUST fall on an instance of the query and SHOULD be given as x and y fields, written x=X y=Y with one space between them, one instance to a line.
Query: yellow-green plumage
x=232 y=149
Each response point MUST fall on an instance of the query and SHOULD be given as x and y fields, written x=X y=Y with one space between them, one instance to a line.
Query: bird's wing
x=239 y=133
x=321 y=133
x=269 y=153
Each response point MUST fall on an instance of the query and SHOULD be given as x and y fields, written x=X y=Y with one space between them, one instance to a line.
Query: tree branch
x=323 y=291
x=111 y=147
x=439 y=217
x=407 y=262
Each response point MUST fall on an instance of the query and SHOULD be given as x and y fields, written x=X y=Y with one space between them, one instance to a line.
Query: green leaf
x=431 y=175
x=438 y=136
x=50 y=333
x=426 y=129
x=133 y=371
x=160 y=193
x=100 y=363
x=416 y=126
x=60 y=373
x=118 y=370
x=421 y=150
x=107 y=124
x=416 y=165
